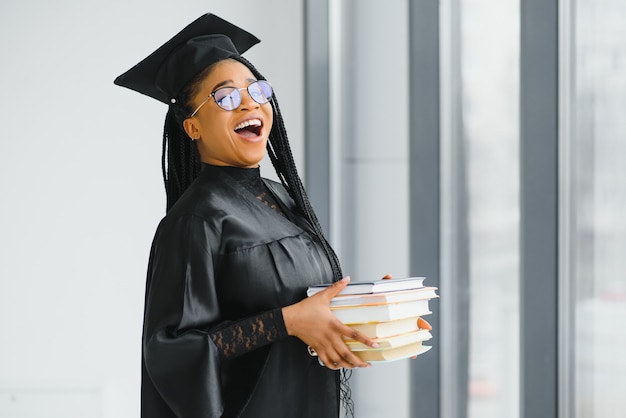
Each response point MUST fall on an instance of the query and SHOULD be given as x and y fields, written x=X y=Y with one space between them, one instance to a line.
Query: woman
x=227 y=326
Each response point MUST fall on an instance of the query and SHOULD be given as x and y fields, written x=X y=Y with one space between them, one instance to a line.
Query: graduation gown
x=219 y=255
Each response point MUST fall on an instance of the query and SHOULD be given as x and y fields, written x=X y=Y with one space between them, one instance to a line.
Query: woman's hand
x=312 y=321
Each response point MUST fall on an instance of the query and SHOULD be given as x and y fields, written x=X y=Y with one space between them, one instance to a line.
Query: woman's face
x=234 y=138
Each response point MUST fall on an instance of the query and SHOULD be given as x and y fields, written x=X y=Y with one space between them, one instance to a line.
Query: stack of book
x=387 y=311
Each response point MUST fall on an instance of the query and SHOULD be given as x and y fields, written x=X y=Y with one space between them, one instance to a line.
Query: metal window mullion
x=454 y=259
x=567 y=210
x=539 y=208
x=424 y=182
x=317 y=116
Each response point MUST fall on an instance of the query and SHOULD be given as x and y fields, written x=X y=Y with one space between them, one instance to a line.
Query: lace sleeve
x=236 y=338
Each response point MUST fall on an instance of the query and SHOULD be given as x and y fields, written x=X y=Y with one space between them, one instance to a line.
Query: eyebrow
x=225 y=82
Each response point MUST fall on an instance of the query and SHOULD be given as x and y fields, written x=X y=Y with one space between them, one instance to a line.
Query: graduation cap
x=207 y=40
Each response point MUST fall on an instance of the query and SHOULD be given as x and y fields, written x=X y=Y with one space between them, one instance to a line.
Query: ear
x=192 y=128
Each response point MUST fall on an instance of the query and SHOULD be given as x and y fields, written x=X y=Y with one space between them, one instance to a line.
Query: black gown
x=222 y=265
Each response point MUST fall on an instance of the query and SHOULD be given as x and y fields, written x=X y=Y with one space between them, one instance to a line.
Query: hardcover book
x=382 y=312
x=388 y=328
x=385 y=285
x=400 y=340
x=384 y=297
x=396 y=353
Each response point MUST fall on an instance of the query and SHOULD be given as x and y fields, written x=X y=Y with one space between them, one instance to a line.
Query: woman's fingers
x=341 y=357
x=334 y=352
x=353 y=334
x=423 y=324
x=334 y=289
x=344 y=357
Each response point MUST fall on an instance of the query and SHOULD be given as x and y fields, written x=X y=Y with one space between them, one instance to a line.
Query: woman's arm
x=233 y=339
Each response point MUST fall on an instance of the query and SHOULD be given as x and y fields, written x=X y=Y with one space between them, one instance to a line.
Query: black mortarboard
x=205 y=41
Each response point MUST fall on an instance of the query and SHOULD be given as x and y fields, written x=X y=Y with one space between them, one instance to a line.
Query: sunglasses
x=229 y=98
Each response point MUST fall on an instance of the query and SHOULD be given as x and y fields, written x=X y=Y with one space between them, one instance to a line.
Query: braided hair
x=181 y=165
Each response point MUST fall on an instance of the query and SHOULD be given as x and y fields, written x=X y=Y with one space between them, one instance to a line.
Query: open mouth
x=250 y=128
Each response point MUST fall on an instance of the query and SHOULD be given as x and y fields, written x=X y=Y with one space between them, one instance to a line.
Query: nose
x=247 y=102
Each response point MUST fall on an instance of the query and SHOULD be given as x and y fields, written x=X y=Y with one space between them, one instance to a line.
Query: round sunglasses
x=229 y=98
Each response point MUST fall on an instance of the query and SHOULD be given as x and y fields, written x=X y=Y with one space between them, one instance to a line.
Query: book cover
x=384 y=297
x=373 y=287
x=419 y=335
x=391 y=354
x=381 y=313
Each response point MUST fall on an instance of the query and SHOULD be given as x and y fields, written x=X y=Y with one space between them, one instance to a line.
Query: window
x=593 y=146
x=480 y=175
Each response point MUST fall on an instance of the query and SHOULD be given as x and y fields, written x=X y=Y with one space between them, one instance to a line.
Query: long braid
x=180 y=160
x=164 y=161
x=280 y=154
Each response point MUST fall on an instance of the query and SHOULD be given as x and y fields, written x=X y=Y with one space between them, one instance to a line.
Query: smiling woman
x=227 y=322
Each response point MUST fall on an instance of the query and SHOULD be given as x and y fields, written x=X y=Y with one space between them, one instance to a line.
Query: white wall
x=81 y=189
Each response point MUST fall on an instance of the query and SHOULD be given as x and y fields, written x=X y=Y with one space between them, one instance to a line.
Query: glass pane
x=598 y=179
x=490 y=138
